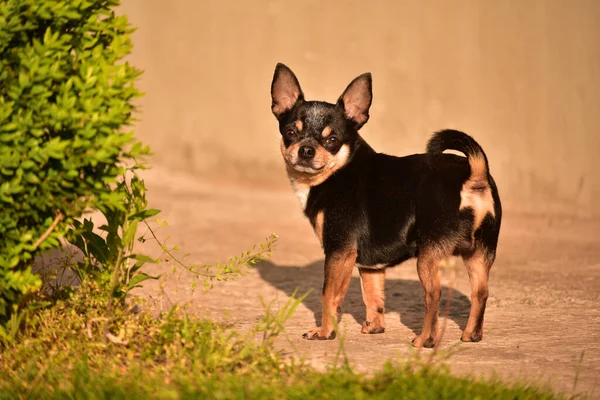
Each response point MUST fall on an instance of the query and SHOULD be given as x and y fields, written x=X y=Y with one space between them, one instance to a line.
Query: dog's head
x=317 y=138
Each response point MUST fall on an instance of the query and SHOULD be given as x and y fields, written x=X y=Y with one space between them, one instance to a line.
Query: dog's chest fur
x=301 y=190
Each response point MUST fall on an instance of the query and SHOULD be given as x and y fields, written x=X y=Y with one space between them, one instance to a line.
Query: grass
x=61 y=354
x=86 y=382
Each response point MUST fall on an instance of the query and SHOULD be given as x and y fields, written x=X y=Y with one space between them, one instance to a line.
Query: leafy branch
x=219 y=272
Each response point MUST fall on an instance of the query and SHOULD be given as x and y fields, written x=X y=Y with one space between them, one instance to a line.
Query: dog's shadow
x=404 y=297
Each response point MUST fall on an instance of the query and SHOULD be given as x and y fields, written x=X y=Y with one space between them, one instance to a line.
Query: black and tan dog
x=374 y=211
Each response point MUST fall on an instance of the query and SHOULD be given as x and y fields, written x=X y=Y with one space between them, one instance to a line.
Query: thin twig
x=58 y=218
x=248 y=258
x=166 y=250
x=577 y=371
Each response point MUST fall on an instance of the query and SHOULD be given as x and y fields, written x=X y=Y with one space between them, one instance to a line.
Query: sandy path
x=543 y=311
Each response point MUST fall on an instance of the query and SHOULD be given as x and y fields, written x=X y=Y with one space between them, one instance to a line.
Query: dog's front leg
x=338 y=272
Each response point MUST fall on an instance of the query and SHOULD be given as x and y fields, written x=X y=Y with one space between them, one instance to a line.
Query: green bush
x=65 y=97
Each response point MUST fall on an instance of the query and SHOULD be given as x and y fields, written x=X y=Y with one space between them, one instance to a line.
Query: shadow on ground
x=403 y=296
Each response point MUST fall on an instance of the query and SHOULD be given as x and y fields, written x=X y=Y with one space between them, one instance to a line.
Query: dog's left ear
x=285 y=90
x=356 y=99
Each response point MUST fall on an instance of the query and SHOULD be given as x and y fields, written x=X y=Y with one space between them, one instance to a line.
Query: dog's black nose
x=306 y=152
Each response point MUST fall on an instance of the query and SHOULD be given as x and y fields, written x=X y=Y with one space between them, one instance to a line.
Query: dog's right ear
x=285 y=90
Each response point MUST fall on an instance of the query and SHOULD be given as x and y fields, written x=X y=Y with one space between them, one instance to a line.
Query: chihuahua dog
x=374 y=211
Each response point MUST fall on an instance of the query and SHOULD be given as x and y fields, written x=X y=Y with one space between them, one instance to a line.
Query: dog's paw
x=422 y=341
x=372 y=327
x=471 y=336
x=319 y=334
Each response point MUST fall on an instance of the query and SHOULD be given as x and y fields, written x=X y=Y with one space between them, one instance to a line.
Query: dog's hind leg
x=427 y=268
x=372 y=283
x=478 y=265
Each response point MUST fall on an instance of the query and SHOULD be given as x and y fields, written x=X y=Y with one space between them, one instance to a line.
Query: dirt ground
x=521 y=77
x=543 y=316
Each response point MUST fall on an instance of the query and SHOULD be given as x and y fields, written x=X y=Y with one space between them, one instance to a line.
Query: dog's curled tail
x=450 y=139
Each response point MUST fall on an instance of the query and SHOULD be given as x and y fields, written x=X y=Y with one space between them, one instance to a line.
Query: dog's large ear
x=285 y=90
x=356 y=99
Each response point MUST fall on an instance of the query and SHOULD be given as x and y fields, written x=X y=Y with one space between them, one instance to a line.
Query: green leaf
x=130 y=233
x=27 y=164
x=139 y=278
x=11 y=126
x=23 y=80
x=143 y=258
x=145 y=214
x=97 y=247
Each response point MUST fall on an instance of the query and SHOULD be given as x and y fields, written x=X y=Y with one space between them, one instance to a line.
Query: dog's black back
x=392 y=205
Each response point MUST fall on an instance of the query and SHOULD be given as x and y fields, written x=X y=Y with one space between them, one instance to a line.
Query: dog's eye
x=331 y=140
x=290 y=134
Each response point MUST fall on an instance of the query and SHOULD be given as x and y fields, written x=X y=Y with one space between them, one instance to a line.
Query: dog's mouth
x=305 y=167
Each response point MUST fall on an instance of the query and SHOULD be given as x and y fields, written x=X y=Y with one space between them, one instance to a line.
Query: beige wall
x=521 y=76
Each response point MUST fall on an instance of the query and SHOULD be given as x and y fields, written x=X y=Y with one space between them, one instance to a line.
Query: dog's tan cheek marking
x=338 y=160
x=342 y=156
x=300 y=189
x=326 y=132
x=334 y=163
x=290 y=153
x=299 y=125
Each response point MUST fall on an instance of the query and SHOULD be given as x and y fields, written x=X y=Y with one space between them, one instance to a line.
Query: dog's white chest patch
x=301 y=192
